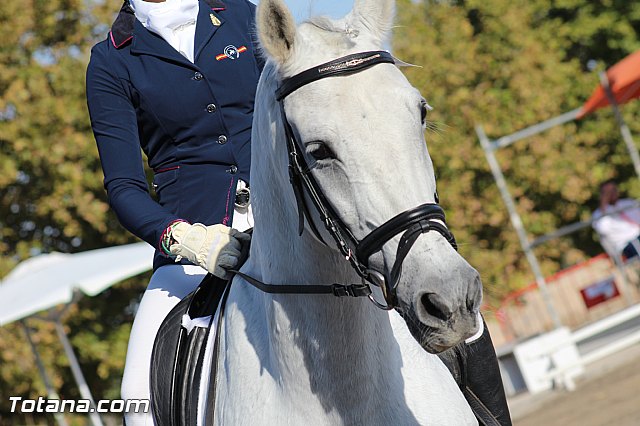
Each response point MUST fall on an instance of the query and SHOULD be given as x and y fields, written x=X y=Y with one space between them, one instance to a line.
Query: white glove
x=215 y=247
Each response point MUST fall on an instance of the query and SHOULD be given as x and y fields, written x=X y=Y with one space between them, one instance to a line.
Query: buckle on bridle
x=353 y=290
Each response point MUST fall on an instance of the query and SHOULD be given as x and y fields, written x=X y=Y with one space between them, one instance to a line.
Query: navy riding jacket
x=192 y=120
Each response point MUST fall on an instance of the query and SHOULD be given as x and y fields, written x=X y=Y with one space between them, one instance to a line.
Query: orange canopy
x=624 y=80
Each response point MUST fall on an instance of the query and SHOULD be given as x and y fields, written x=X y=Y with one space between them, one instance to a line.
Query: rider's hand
x=215 y=248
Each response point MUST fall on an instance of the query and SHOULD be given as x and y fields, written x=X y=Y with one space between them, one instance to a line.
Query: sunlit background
x=498 y=65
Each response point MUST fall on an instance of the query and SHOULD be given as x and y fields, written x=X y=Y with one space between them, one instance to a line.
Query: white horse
x=317 y=359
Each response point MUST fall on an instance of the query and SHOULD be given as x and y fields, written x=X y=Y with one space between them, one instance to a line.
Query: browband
x=346 y=65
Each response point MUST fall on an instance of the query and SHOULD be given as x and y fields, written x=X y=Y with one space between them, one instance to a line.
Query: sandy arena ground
x=609 y=394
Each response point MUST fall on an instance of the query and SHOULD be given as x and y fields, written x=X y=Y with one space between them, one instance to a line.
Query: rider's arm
x=114 y=124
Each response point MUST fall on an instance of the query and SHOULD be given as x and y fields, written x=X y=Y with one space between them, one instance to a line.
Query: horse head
x=361 y=137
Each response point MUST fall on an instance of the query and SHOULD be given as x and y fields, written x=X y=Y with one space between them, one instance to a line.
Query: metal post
x=622 y=270
x=51 y=392
x=517 y=224
x=624 y=129
x=77 y=372
x=536 y=128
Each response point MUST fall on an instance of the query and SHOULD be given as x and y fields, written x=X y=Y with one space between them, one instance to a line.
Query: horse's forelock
x=339 y=31
x=327 y=24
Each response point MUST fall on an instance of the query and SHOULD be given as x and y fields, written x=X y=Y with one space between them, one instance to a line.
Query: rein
x=413 y=223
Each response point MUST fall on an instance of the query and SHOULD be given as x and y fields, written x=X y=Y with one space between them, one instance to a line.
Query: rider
x=175 y=79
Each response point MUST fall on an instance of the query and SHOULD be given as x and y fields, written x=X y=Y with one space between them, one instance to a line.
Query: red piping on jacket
x=166 y=169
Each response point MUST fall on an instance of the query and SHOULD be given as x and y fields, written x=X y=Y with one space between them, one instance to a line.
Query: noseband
x=412 y=223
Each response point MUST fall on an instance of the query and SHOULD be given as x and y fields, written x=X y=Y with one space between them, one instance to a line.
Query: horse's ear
x=276 y=29
x=375 y=16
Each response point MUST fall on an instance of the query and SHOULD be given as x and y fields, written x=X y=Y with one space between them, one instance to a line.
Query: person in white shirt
x=617 y=221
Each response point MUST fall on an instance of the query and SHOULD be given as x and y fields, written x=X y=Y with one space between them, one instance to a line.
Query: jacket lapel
x=148 y=43
x=209 y=20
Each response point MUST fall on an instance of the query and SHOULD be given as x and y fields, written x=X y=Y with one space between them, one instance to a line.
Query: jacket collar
x=122 y=29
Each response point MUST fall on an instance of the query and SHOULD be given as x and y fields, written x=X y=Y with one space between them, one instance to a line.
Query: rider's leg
x=169 y=284
x=474 y=365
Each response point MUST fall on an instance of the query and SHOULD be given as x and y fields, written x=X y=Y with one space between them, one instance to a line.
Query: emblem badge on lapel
x=231 y=52
x=214 y=20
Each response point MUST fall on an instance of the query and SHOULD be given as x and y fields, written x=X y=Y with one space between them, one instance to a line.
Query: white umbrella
x=48 y=280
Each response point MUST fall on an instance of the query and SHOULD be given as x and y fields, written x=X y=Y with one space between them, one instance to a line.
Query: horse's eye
x=319 y=151
x=424 y=110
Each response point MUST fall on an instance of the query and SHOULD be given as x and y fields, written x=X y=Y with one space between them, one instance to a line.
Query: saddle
x=178 y=355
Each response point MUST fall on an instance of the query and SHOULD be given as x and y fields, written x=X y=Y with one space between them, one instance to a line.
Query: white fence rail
x=561 y=374
x=558 y=357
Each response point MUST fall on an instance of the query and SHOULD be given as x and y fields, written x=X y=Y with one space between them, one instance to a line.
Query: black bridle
x=412 y=223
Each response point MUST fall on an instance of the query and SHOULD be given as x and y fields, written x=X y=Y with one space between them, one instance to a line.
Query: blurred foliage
x=499 y=63
x=507 y=65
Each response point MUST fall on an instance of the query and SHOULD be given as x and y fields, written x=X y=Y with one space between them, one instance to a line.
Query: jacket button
x=198 y=76
x=222 y=139
x=211 y=108
x=233 y=170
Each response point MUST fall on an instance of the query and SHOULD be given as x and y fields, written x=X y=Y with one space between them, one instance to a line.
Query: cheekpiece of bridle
x=412 y=223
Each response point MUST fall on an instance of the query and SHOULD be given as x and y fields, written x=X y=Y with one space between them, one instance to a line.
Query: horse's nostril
x=435 y=306
x=474 y=295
